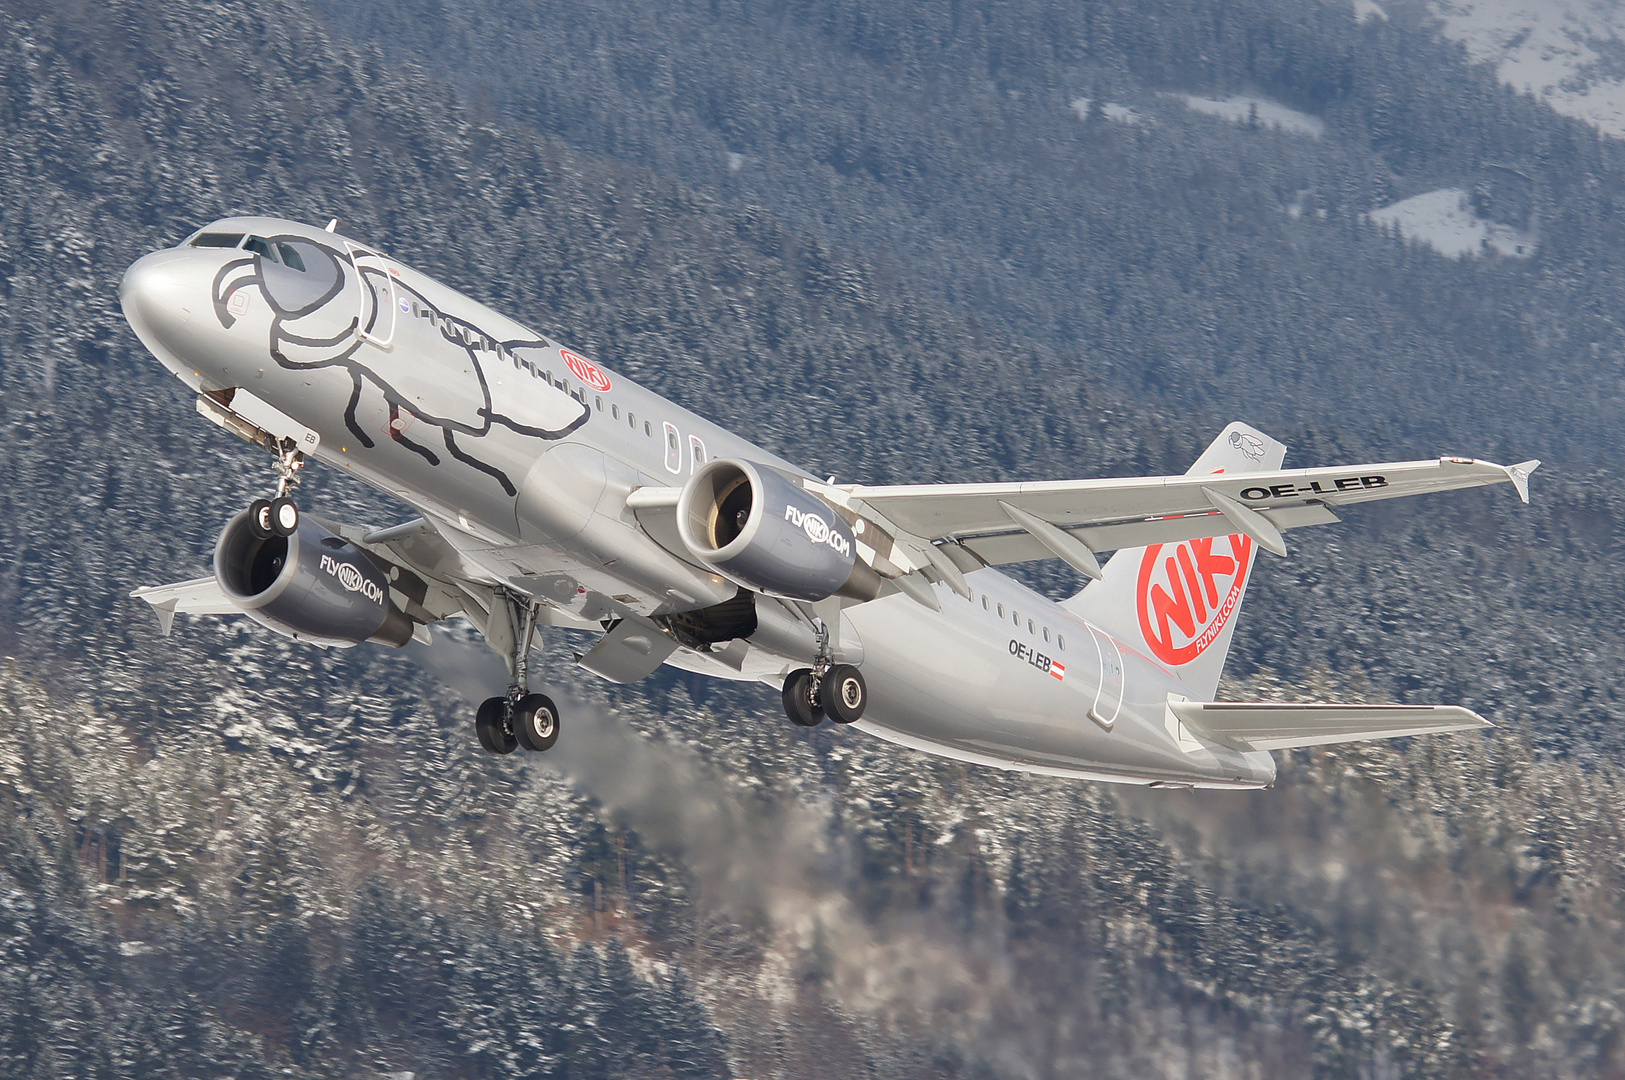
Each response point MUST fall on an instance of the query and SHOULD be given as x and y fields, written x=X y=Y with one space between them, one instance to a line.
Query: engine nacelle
x=754 y=526
x=312 y=586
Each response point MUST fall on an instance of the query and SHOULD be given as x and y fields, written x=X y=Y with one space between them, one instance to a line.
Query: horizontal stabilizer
x=201 y=596
x=1282 y=726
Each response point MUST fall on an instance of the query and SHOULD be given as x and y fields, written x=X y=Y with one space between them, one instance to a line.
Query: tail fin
x=1178 y=602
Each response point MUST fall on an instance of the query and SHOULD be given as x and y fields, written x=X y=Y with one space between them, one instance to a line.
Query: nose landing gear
x=279 y=516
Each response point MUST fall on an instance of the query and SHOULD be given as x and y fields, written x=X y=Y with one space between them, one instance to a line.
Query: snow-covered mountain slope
x=1569 y=53
x=1445 y=221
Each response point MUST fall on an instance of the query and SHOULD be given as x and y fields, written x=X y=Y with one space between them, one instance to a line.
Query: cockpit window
x=217 y=239
x=290 y=257
x=261 y=247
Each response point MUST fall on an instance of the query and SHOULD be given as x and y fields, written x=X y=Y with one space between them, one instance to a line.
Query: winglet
x=164 y=609
x=1519 y=475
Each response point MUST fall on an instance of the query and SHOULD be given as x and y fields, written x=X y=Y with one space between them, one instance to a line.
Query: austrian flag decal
x=1057 y=670
x=1188 y=592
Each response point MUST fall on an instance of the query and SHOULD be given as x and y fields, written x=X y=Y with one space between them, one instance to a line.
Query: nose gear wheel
x=279 y=516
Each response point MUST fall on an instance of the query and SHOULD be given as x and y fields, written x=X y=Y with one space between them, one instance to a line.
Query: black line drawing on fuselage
x=312 y=327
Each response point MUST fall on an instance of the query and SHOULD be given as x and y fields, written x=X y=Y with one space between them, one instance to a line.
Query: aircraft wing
x=1070 y=519
x=200 y=596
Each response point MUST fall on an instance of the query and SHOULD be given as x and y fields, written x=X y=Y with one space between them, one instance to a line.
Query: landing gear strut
x=279 y=516
x=825 y=689
x=519 y=718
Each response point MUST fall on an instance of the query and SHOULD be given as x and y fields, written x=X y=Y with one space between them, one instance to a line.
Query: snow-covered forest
x=891 y=245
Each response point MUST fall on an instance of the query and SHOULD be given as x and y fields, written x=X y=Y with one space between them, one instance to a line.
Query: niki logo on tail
x=1187 y=593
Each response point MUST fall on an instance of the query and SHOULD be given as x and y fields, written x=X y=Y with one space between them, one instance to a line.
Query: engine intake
x=756 y=527
x=312 y=586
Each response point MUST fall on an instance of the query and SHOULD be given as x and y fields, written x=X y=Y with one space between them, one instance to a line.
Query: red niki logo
x=1188 y=592
x=586 y=371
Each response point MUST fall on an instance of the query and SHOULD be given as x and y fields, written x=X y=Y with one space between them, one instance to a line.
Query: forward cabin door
x=377 y=297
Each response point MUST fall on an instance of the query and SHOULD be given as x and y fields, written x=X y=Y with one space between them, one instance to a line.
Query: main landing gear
x=825 y=689
x=840 y=695
x=520 y=718
x=279 y=516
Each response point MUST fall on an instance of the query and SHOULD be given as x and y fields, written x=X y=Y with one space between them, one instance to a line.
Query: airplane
x=548 y=490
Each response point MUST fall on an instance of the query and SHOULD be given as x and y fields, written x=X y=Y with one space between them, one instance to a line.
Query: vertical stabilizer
x=1178 y=603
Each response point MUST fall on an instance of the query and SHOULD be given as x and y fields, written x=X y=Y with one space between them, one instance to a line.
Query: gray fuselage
x=523 y=453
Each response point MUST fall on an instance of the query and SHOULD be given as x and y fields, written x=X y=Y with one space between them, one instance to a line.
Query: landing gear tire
x=260 y=520
x=844 y=694
x=490 y=723
x=799 y=704
x=536 y=722
x=284 y=516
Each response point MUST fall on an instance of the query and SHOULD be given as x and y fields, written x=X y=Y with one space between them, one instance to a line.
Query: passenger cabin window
x=648 y=429
x=217 y=240
x=984 y=601
x=1060 y=639
x=290 y=257
x=1001 y=611
x=1046 y=633
x=598 y=402
x=615 y=411
x=674 y=448
x=261 y=247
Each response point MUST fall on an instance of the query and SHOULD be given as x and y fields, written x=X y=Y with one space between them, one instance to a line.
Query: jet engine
x=312 y=586
x=756 y=527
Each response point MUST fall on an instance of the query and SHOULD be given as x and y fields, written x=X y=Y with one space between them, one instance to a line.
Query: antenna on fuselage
x=333 y=225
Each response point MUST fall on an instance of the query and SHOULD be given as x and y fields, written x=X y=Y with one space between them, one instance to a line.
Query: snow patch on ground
x=1242 y=110
x=1569 y=53
x=1444 y=221
x=1117 y=114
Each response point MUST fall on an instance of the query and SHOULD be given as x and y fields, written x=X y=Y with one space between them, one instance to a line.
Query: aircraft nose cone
x=161 y=296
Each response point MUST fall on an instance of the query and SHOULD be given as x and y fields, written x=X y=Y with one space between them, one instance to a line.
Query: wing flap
x=1282 y=726
x=1013 y=546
